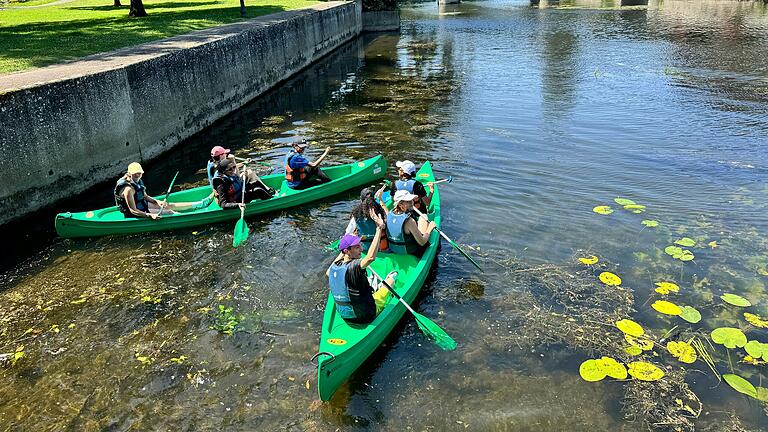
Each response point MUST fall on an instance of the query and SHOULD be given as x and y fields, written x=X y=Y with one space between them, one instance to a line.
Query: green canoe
x=109 y=221
x=344 y=347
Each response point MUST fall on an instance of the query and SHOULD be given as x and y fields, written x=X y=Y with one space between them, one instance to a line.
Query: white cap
x=407 y=166
x=403 y=195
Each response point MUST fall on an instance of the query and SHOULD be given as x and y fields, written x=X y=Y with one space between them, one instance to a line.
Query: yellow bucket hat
x=135 y=168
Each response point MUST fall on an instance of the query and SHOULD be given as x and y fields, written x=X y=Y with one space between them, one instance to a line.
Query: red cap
x=218 y=151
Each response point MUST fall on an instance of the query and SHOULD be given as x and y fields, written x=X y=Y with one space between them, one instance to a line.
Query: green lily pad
x=762 y=394
x=633 y=350
x=729 y=337
x=736 y=300
x=624 y=201
x=645 y=371
x=612 y=368
x=667 y=308
x=686 y=256
x=635 y=208
x=690 y=314
x=630 y=327
x=740 y=385
x=686 y=241
x=603 y=210
x=591 y=371
x=756 y=349
x=650 y=223
x=673 y=250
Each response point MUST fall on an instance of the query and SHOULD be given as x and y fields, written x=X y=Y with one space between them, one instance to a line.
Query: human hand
x=154 y=216
x=376 y=219
x=241 y=206
x=431 y=186
x=328 y=149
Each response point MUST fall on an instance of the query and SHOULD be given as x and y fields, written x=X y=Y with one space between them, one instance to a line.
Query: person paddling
x=404 y=233
x=218 y=154
x=407 y=181
x=131 y=196
x=361 y=224
x=229 y=183
x=356 y=300
x=300 y=173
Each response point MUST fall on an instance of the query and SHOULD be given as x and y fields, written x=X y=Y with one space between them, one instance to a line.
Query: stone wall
x=376 y=21
x=66 y=127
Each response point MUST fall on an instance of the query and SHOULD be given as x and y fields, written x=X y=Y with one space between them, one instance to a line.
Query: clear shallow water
x=540 y=114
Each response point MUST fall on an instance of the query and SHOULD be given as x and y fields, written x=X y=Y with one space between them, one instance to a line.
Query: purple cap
x=348 y=241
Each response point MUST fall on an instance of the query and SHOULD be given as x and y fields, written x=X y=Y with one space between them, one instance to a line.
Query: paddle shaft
x=257 y=162
x=453 y=243
x=449 y=180
x=392 y=290
x=168 y=192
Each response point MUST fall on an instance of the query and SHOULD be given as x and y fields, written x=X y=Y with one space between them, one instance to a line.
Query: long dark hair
x=367 y=202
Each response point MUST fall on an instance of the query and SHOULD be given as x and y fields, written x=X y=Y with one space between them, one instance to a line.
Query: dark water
x=539 y=114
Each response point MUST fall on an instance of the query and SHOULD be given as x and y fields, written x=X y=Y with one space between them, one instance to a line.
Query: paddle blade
x=241 y=233
x=332 y=246
x=435 y=333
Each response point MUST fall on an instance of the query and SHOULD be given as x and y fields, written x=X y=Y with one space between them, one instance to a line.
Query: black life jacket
x=233 y=185
x=140 y=197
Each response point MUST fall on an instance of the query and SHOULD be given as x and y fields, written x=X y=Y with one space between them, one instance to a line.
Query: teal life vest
x=405 y=185
x=140 y=197
x=400 y=242
x=339 y=290
x=210 y=169
x=366 y=230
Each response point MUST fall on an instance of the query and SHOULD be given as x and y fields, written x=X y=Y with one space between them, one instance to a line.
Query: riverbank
x=31 y=34
x=80 y=123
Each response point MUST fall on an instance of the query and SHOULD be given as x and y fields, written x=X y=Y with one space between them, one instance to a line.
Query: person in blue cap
x=356 y=300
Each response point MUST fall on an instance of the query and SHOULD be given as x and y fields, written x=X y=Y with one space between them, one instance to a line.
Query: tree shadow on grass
x=147 y=6
x=44 y=43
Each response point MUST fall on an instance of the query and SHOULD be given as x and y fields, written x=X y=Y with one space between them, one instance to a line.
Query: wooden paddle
x=453 y=243
x=429 y=328
x=167 y=192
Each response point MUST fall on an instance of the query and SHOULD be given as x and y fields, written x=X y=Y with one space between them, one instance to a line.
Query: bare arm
x=374 y=249
x=320 y=159
x=131 y=202
x=412 y=228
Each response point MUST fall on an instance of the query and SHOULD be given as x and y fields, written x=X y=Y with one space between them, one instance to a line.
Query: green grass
x=36 y=37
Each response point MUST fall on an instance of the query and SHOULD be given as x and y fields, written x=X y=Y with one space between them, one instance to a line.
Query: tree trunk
x=242 y=8
x=137 y=9
x=117 y=3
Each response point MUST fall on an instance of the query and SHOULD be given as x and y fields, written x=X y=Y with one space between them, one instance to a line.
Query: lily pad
x=740 y=385
x=690 y=314
x=673 y=251
x=603 y=210
x=630 y=327
x=756 y=349
x=591 y=371
x=686 y=241
x=755 y=320
x=666 y=287
x=729 y=337
x=686 y=256
x=666 y=308
x=645 y=371
x=682 y=351
x=635 y=208
x=643 y=343
x=650 y=223
x=712 y=244
x=624 y=201
x=610 y=279
x=633 y=350
x=736 y=300
x=612 y=368
x=589 y=260
x=762 y=394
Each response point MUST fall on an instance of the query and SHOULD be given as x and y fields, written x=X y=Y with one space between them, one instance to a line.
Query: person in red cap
x=355 y=298
x=219 y=154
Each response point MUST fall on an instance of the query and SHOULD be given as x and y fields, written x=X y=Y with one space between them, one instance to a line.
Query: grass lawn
x=35 y=37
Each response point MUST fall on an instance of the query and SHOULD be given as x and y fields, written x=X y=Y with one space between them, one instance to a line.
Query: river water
x=539 y=114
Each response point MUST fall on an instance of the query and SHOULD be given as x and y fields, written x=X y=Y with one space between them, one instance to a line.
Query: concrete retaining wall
x=381 y=21
x=65 y=127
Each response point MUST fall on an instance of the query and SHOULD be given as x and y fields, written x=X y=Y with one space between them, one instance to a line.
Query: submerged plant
x=225 y=321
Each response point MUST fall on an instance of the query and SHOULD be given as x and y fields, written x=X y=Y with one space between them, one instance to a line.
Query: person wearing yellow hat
x=131 y=196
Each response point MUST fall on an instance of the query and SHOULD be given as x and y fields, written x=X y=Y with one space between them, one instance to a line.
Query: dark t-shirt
x=360 y=293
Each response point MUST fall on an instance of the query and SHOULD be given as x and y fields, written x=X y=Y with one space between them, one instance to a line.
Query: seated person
x=405 y=235
x=360 y=222
x=218 y=154
x=228 y=185
x=407 y=181
x=355 y=298
x=300 y=173
x=131 y=196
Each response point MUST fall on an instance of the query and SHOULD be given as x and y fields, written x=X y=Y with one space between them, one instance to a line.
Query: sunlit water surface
x=539 y=114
